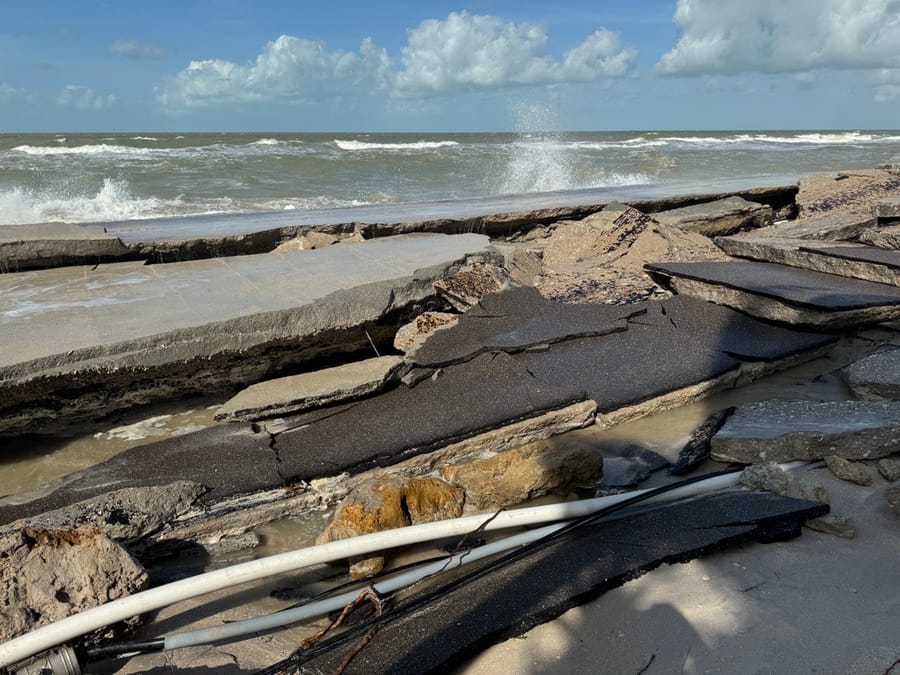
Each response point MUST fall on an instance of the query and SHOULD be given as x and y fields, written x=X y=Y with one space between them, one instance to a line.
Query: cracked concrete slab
x=515 y=320
x=135 y=333
x=27 y=247
x=782 y=293
x=784 y=431
x=315 y=389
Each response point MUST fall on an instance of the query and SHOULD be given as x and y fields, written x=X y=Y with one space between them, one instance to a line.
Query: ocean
x=116 y=177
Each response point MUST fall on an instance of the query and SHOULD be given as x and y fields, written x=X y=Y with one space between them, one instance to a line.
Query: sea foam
x=415 y=145
x=112 y=201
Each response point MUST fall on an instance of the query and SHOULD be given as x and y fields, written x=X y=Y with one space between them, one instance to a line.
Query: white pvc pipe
x=59 y=632
x=259 y=624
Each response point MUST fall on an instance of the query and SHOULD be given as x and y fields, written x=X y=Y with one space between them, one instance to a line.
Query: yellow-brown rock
x=512 y=477
x=387 y=503
x=431 y=499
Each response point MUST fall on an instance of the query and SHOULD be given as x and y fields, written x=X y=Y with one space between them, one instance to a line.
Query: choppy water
x=101 y=177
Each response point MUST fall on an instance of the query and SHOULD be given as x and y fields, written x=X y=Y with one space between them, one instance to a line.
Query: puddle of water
x=29 y=462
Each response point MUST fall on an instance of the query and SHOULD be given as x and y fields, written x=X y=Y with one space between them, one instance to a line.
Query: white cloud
x=135 y=50
x=887 y=82
x=288 y=69
x=778 y=36
x=8 y=92
x=472 y=51
x=83 y=98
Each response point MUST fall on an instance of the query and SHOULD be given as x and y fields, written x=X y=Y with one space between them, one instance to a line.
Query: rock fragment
x=883 y=237
x=601 y=258
x=307 y=242
x=529 y=471
x=876 y=377
x=411 y=335
x=387 y=503
x=889 y=468
x=837 y=526
x=853 y=472
x=893 y=498
x=772 y=478
x=471 y=283
x=49 y=574
x=697 y=447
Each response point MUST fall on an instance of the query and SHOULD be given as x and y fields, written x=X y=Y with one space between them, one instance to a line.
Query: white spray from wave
x=112 y=201
x=542 y=160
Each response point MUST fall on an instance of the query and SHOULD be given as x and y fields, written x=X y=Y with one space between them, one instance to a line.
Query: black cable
x=355 y=633
x=119 y=649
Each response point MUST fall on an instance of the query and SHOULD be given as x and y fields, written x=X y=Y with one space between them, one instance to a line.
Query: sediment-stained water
x=113 y=177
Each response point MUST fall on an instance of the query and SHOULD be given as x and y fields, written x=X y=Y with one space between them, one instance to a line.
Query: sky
x=422 y=65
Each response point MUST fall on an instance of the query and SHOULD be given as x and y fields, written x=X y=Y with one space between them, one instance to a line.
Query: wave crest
x=413 y=145
x=97 y=149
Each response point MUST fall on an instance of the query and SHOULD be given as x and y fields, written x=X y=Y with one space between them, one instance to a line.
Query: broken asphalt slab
x=515 y=320
x=784 y=431
x=487 y=393
x=438 y=628
x=719 y=217
x=782 y=293
x=134 y=332
x=858 y=261
x=672 y=345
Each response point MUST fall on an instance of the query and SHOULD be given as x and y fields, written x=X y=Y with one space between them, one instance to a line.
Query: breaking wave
x=97 y=149
x=113 y=201
x=415 y=145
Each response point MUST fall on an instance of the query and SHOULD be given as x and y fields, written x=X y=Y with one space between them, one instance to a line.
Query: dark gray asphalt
x=867 y=254
x=483 y=394
x=804 y=288
x=676 y=343
x=437 y=630
x=516 y=319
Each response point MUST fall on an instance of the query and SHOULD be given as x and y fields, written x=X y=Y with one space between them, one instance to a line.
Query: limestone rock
x=311 y=390
x=887 y=210
x=889 y=468
x=307 y=242
x=876 y=376
x=883 y=237
x=770 y=477
x=893 y=498
x=783 y=431
x=431 y=499
x=47 y=575
x=718 y=218
x=848 y=192
x=837 y=526
x=387 y=503
x=471 y=283
x=512 y=477
x=411 y=335
x=522 y=261
x=853 y=472
x=601 y=258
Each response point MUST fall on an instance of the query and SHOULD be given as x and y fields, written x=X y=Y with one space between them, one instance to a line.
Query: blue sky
x=442 y=66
